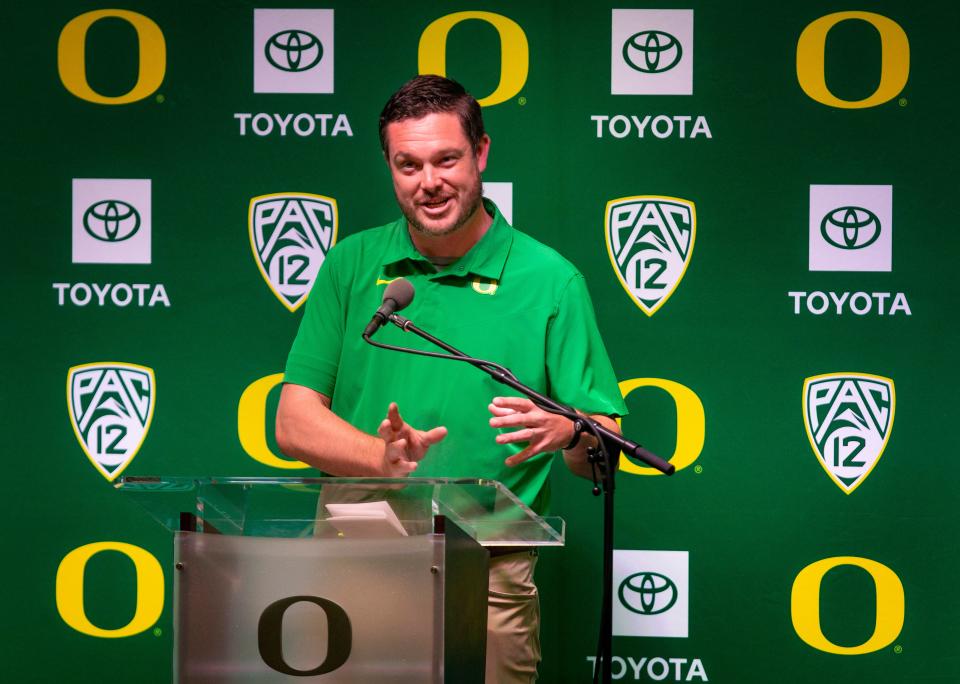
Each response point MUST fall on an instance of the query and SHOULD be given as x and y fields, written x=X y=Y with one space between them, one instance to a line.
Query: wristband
x=578 y=426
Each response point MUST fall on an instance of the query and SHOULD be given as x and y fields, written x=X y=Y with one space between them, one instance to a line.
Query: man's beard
x=470 y=205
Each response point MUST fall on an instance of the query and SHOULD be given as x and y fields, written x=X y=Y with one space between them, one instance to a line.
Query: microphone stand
x=600 y=457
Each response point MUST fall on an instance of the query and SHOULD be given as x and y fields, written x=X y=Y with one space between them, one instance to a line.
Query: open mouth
x=436 y=206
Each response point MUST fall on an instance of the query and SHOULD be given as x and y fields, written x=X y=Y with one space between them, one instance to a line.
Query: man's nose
x=430 y=180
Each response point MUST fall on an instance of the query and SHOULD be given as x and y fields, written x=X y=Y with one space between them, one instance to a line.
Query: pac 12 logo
x=111 y=407
x=651 y=52
x=851 y=227
x=290 y=234
x=293 y=51
x=848 y=418
x=650 y=240
x=111 y=221
x=651 y=593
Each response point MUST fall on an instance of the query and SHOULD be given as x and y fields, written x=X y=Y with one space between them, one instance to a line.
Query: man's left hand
x=543 y=431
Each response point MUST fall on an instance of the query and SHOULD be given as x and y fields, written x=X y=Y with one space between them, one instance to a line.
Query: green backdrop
x=813 y=138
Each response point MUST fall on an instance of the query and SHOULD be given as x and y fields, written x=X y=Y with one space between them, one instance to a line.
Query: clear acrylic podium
x=333 y=579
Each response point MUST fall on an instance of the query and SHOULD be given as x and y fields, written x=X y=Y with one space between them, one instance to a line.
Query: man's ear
x=483 y=149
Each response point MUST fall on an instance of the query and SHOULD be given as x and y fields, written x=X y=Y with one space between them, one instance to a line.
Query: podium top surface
x=339 y=507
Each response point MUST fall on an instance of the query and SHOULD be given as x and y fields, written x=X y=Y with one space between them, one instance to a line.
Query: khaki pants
x=513 y=620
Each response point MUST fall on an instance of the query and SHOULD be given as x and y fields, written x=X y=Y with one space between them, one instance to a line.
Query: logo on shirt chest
x=650 y=240
x=290 y=235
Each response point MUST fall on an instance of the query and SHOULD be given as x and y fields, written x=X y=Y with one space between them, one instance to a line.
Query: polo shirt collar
x=485 y=259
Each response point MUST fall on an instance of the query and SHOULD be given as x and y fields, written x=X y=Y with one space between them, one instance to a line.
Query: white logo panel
x=293 y=51
x=651 y=52
x=851 y=228
x=111 y=221
x=502 y=195
x=651 y=593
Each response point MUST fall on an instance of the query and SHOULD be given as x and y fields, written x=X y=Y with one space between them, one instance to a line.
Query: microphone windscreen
x=401 y=292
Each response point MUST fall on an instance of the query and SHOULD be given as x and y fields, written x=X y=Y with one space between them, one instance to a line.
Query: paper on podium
x=367 y=520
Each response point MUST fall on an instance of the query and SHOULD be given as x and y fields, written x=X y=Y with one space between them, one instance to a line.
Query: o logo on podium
x=72 y=64
x=805 y=605
x=691 y=424
x=270 y=636
x=894 y=60
x=149 y=589
x=514 y=52
x=252 y=424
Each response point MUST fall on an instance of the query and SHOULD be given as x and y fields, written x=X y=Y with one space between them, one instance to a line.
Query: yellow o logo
x=894 y=60
x=805 y=605
x=149 y=589
x=691 y=424
x=514 y=52
x=252 y=424
x=72 y=64
x=484 y=286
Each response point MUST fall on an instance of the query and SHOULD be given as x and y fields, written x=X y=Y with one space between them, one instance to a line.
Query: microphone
x=396 y=297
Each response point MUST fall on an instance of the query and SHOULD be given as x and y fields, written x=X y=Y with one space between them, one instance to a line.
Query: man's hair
x=430 y=94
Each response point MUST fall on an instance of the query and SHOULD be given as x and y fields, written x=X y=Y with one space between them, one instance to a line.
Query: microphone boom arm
x=505 y=377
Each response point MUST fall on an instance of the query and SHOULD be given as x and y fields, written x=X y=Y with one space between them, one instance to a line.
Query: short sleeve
x=578 y=367
x=315 y=355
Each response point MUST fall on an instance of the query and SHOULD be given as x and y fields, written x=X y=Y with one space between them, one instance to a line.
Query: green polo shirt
x=510 y=300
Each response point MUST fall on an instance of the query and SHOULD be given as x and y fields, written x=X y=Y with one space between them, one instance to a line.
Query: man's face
x=436 y=173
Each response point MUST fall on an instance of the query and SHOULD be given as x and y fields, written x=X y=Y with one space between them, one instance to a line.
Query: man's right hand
x=405 y=446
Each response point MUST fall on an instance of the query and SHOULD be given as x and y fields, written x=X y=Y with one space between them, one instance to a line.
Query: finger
x=515 y=436
x=514 y=420
x=401 y=469
x=393 y=415
x=517 y=403
x=499 y=410
x=433 y=436
x=386 y=433
x=396 y=451
x=521 y=456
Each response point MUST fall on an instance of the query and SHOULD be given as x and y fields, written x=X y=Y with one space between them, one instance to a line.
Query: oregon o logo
x=252 y=424
x=514 y=52
x=691 y=424
x=805 y=605
x=111 y=220
x=293 y=50
x=648 y=593
x=660 y=51
x=850 y=227
x=485 y=286
x=270 y=636
x=894 y=60
x=149 y=589
x=72 y=65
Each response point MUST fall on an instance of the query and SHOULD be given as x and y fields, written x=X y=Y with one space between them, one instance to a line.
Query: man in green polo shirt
x=483 y=287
